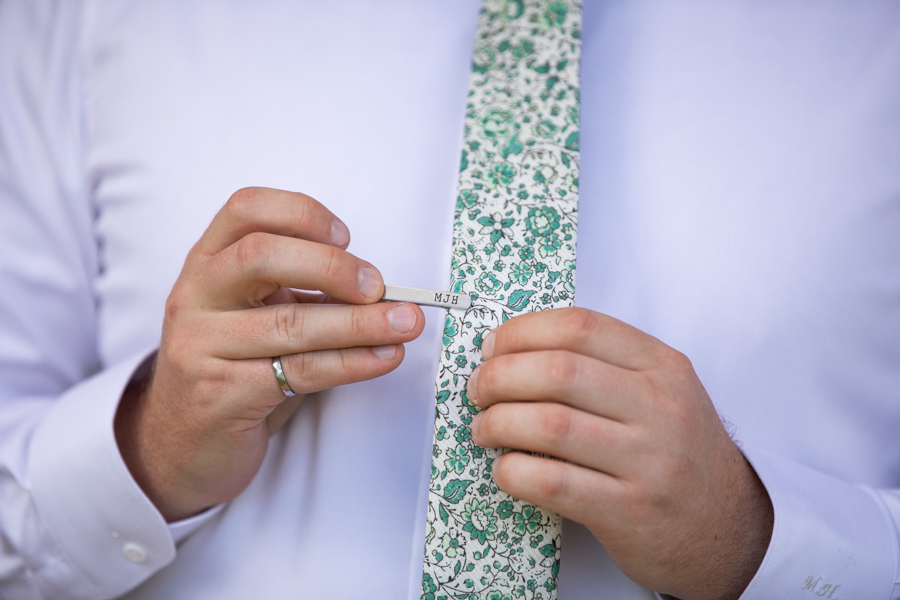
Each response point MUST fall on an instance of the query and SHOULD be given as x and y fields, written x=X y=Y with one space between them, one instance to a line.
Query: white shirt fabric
x=740 y=200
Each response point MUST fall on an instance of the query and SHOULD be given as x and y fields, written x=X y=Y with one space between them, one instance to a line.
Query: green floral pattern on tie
x=513 y=252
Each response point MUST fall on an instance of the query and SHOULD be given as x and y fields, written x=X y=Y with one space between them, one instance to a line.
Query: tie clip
x=399 y=293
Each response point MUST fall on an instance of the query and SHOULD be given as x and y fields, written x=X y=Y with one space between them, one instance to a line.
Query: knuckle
x=656 y=499
x=178 y=350
x=551 y=483
x=345 y=358
x=288 y=324
x=640 y=503
x=577 y=320
x=665 y=402
x=301 y=370
x=508 y=336
x=561 y=368
x=675 y=360
x=668 y=404
x=358 y=324
x=181 y=359
x=252 y=250
x=304 y=208
x=176 y=303
x=211 y=373
x=555 y=424
x=242 y=203
x=330 y=263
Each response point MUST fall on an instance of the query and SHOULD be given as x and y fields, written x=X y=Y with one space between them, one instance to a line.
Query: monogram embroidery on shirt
x=825 y=590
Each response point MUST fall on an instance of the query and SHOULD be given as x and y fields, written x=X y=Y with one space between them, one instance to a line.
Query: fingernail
x=340 y=235
x=385 y=352
x=402 y=318
x=471 y=387
x=487 y=346
x=369 y=282
x=474 y=426
x=496 y=462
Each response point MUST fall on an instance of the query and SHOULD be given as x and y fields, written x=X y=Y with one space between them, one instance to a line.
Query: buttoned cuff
x=831 y=539
x=181 y=530
x=102 y=522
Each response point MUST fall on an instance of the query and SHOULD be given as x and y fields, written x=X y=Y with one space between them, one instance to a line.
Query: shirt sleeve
x=73 y=523
x=831 y=539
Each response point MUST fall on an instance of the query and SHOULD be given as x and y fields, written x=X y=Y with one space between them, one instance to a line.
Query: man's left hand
x=646 y=464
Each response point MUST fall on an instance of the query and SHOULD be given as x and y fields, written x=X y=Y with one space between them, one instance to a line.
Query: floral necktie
x=513 y=252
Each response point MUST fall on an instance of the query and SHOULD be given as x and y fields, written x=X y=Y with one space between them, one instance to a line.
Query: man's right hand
x=195 y=435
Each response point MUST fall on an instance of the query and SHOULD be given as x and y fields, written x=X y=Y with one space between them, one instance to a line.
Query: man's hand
x=196 y=435
x=649 y=468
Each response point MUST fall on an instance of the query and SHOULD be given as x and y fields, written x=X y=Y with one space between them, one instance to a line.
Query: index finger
x=576 y=330
x=265 y=210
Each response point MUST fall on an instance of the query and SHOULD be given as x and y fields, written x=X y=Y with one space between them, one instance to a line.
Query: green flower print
x=544 y=128
x=496 y=123
x=526 y=253
x=428 y=587
x=450 y=330
x=457 y=459
x=549 y=246
x=450 y=545
x=505 y=509
x=521 y=272
x=542 y=221
x=554 y=15
x=487 y=283
x=496 y=595
x=467 y=199
x=569 y=280
x=484 y=58
x=501 y=174
x=496 y=226
x=479 y=521
x=545 y=174
x=523 y=49
x=513 y=9
x=527 y=521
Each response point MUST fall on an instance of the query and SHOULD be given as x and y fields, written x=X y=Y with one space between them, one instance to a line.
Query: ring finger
x=311 y=372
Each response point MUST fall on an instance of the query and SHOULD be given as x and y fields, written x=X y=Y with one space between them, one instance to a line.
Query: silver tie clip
x=399 y=293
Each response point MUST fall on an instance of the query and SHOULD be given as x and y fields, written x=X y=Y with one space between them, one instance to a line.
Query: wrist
x=142 y=451
x=756 y=517
x=750 y=523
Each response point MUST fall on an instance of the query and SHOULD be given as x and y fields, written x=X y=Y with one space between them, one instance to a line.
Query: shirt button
x=135 y=553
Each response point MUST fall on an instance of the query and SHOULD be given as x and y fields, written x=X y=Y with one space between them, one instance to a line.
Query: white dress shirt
x=740 y=200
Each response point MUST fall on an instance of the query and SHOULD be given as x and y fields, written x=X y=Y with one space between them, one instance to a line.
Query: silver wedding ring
x=279 y=375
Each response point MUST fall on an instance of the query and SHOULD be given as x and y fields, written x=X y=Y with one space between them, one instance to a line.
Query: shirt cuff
x=831 y=539
x=181 y=530
x=86 y=498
